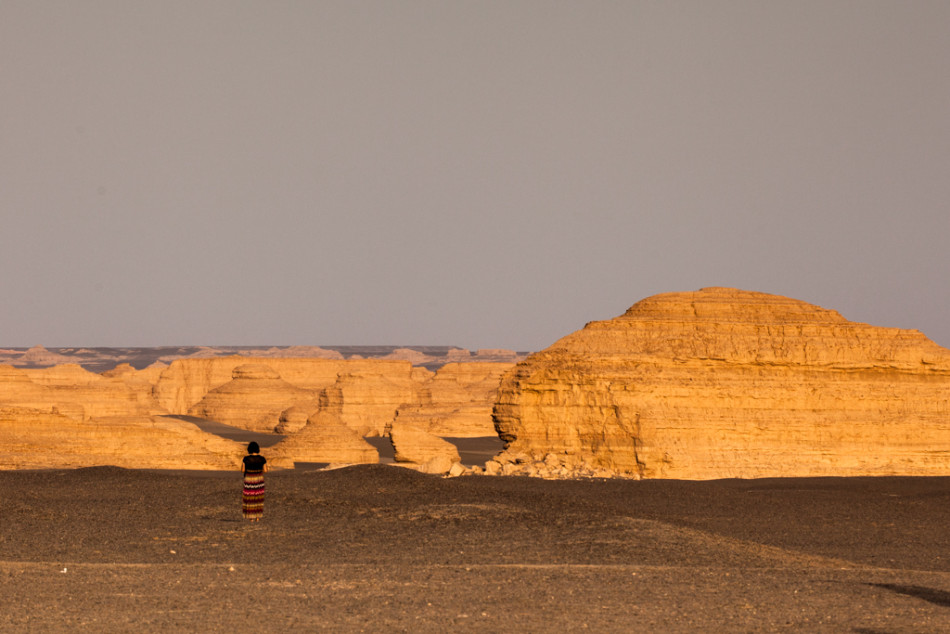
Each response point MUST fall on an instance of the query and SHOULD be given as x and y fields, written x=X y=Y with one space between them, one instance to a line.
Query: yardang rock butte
x=724 y=383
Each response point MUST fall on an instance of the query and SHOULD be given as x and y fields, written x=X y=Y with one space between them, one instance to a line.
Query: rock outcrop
x=253 y=399
x=724 y=383
x=40 y=356
x=367 y=401
x=16 y=388
x=416 y=446
x=457 y=400
x=34 y=439
x=293 y=419
x=98 y=395
x=325 y=438
x=454 y=401
x=72 y=391
x=261 y=394
x=186 y=381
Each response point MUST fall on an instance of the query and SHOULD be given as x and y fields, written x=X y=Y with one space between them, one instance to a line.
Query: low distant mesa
x=102 y=359
x=715 y=383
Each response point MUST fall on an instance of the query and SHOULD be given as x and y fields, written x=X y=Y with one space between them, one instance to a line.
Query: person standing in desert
x=254 y=467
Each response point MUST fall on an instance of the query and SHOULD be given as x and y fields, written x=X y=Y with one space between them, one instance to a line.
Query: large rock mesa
x=724 y=383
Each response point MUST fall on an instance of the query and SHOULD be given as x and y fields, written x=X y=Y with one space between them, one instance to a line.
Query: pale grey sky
x=471 y=173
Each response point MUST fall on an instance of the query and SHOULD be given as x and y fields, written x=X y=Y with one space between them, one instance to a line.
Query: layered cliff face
x=72 y=391
x=186 y=381
x=16 y=388
x=253 y=399
x=98 y=395
x=34 y=439
x=367 y=401
x=727 y=383
x=456 y=401
x=325 y=438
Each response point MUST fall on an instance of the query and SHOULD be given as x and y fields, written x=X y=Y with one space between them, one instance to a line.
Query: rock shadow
x=930 y=595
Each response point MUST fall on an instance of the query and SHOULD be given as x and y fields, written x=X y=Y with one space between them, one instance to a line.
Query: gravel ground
x=370 y=547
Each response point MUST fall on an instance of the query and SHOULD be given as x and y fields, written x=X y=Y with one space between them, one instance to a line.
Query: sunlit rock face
x=724 y=383
x=253 y=399
x=456 y=401
x=325 y=438
x=364 y=396
x=367 y=400
x=16 y=388
x=371 y=389
x=74 y=392
x=414 y=445
x=35 y=439
x=97 y=395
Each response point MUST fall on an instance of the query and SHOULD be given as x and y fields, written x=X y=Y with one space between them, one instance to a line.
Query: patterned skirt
x=253 y=495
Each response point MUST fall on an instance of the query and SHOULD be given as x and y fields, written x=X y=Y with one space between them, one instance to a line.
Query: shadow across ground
x=472 y=451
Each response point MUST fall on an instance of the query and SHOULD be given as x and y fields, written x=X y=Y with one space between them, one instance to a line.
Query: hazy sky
x=471 y=173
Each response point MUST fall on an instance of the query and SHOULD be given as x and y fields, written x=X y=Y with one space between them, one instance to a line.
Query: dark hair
x=253 y=447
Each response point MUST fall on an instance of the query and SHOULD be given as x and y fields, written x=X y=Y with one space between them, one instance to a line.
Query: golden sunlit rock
x=723 y=383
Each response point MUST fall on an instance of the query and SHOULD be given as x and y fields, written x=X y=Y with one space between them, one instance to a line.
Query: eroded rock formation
x=325 y=438
x=16 y=388
x=98 y=395
x=367 y=401
x=457 y=400
x=726 y=383
x=259 y=394
x=186 y=381
x=34 y=439
x=293 y=419
x=253 y=399
x=71 y=391
x=418 y=447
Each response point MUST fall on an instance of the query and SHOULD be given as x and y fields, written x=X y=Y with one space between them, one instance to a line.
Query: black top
x=254 y=463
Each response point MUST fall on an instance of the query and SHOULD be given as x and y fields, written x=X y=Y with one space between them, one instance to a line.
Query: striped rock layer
x=722 y=383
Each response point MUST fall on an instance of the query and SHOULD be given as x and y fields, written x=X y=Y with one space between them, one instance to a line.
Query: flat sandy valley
x=371 y=547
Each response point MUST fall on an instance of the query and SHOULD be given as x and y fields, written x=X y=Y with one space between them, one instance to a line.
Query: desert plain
x=719 y=460
x=377 y=547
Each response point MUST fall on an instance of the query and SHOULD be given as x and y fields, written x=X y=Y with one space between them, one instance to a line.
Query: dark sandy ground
x=382 y=548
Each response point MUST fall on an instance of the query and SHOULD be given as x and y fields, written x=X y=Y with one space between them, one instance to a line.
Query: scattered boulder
x=549 y=467
x=437 y=465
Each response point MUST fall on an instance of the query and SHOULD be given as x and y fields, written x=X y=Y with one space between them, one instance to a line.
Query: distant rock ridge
x=40 y=356
x=723 y=383
x=104 y=359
